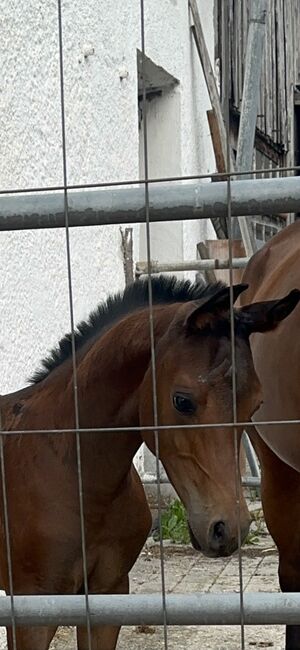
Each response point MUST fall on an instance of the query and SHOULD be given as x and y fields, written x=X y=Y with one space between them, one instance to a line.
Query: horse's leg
x=38 y=637
x=292 y=637
x=103 y=637
x=281 y=504
x=125 y=533
x=31 y=638
x=289 y=578
x=60 y=581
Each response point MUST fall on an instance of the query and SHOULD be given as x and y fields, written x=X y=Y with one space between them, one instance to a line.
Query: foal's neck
x=109 y=378
x=110 y=373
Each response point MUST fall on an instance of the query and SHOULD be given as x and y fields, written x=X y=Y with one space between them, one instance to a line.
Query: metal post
x=251 y=456
x=252 y=76
x=168 y=202
x=146 y=609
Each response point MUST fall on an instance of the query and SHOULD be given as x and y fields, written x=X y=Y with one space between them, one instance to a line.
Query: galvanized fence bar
x=146 y=609
x=168 y=202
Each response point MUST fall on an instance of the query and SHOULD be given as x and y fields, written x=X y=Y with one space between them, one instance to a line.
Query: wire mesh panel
x=75 y=428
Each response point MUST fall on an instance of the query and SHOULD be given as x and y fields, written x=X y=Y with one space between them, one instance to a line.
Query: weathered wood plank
x=296 y=44
x=234 y=55
x=274 y=129
x=265 y=83
x=268 y=80
x=240 y=48
x=281 y=64
x=262 y=112
x=281 y=73
x=216 y=141
x=260 y=120
x=210 y=276
x=198 y=35
x=209 y=77
x=292 y=46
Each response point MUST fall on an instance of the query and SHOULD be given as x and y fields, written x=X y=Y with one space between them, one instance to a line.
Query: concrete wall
x=103 y=144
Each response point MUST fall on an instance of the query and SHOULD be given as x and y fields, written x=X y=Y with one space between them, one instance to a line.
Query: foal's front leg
x=103 y=637
x=31 y=638
x=123 y=538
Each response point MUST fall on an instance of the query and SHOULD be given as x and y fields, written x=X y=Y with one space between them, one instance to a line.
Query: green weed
x=257 y=527
x=174 y=524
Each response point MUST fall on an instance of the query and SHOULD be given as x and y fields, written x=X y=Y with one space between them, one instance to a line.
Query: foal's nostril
x=218 y=533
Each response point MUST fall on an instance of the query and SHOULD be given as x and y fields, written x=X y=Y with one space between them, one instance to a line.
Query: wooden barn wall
x=281 y=66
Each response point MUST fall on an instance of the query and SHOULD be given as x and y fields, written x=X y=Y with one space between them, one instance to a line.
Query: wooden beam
x=210 y=275
x=216 y=141
x=219 y=223
x=216 y=106
x=209 y=77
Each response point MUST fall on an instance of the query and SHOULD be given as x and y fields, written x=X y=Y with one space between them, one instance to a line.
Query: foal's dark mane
x=165 y=290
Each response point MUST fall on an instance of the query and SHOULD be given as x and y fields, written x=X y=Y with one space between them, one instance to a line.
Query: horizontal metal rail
x=247 y=481
x=168 y=202
x=146 y=609
x=193 y=265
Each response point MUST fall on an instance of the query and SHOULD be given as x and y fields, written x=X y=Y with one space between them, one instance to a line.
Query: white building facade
x=104 y=140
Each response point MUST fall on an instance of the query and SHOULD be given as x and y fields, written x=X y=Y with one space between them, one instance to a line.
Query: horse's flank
x=272 y=272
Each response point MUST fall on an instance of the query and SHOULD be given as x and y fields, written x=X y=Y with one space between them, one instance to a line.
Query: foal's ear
x=265 y=316
x=202 y=311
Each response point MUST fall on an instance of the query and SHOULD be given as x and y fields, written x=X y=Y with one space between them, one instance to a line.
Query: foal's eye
x=183 y=403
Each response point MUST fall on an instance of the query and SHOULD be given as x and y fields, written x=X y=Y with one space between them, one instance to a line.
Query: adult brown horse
x=272 y=272
x=193 y=370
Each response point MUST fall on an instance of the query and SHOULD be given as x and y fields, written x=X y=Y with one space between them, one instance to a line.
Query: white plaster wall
x=164 y=159
x=102 y=145
x=177 y=53
x=197 y=150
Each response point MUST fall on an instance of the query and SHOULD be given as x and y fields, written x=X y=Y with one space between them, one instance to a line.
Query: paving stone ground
x=188 y=571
